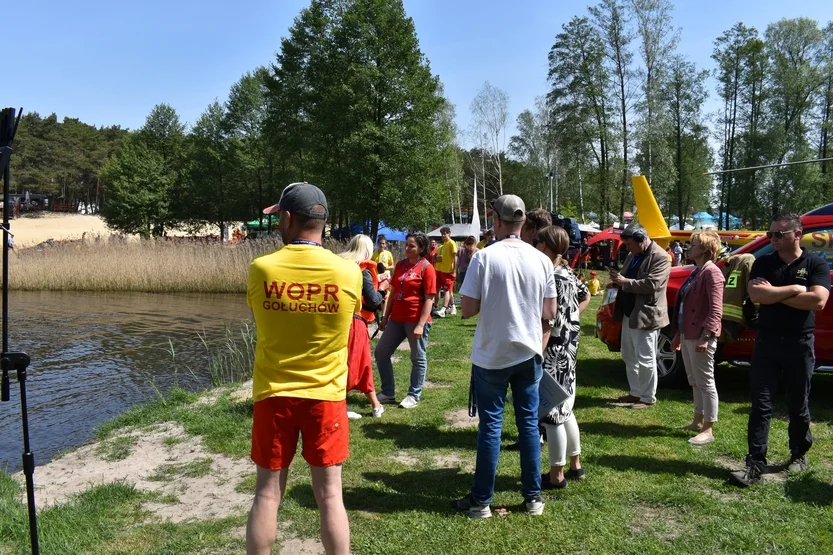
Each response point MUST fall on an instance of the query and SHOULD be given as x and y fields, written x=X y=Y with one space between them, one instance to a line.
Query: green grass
x=648 y=491
x=117 y=448
x=193 y=469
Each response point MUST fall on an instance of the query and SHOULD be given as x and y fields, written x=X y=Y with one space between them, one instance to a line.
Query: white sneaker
x=353 y=415
x=441 y=313
x=382 y=398
x=453 y=310
x=409 y=402
x=377 y=413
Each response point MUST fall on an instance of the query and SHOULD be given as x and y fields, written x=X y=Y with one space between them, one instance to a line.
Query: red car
x=817 y=238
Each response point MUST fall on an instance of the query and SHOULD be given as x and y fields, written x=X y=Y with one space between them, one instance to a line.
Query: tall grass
x=231 y=360
x=153 y=266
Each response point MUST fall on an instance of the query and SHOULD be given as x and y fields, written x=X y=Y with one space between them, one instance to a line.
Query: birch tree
x=490 y=108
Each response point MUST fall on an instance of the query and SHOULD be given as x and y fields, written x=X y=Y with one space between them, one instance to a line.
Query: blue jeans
x=490 y=387
x=393 y=335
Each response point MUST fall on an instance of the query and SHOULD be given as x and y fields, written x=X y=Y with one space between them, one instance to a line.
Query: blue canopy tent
x=392 y=234
x=703 y=216
x=355 y=228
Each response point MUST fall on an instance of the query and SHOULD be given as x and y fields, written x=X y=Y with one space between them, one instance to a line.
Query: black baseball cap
x=302 y=198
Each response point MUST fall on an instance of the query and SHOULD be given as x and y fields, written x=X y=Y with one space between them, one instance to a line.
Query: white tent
x=458 y=232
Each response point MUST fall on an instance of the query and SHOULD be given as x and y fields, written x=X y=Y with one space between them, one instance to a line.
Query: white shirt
x=511 y=279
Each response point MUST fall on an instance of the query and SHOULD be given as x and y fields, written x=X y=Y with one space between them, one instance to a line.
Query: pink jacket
x=703 y=304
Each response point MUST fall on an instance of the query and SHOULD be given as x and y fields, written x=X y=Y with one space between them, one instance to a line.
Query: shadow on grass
x=808 y=489
x=661 y=466
x=428 y=491
x=422 y=436
x=614 y=429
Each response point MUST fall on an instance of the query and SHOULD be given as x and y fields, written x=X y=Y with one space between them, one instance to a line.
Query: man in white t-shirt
x=511 y=286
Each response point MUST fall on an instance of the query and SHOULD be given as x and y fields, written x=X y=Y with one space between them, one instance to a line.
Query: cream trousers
x=699 y=368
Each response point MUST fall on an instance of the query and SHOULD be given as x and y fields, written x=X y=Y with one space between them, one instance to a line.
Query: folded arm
x=814 y=299
x=761 y=292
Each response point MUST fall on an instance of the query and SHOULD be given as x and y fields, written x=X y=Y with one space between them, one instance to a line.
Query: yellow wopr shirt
x=303 y=298
x=448 y=250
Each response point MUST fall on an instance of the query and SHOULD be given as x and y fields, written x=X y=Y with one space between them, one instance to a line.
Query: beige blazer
x=651 y=309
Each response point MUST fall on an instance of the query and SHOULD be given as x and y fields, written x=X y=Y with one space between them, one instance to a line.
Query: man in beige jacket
x=642 y=308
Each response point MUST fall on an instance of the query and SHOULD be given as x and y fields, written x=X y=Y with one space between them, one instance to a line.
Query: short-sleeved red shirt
x=410 y=286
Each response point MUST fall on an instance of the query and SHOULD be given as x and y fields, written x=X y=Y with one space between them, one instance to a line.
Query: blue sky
x=110 y=62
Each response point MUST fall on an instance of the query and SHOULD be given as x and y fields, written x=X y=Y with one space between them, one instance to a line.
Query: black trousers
x=794 y=358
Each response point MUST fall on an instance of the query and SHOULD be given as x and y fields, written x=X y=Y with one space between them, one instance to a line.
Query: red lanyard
x=404 y=275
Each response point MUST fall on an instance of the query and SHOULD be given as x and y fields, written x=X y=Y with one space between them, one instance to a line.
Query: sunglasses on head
x=779 y=234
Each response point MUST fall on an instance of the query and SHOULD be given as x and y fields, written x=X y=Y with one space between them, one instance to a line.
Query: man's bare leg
x=263 y=518
x=335 y=529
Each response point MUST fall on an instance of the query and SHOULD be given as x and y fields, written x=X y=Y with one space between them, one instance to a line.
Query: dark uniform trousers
x=774 y=355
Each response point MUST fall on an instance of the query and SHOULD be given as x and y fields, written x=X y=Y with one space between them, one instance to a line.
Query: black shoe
x=547 y=484
x=749 y=475
x=575 y=474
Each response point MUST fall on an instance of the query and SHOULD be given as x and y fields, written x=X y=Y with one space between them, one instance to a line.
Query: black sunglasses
x=779 y=234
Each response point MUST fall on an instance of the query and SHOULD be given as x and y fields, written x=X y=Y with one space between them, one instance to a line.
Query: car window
x=818 y=241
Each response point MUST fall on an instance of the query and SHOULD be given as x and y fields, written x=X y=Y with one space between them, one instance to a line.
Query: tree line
x=623 y=100
x=350 y=103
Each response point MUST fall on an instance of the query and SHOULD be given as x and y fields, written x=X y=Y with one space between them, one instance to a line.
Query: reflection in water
x=96 y=354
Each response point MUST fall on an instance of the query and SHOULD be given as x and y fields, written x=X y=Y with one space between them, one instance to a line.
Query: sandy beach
x=31 y=229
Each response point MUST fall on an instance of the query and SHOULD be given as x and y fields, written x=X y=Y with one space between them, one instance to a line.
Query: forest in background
x=350 y=103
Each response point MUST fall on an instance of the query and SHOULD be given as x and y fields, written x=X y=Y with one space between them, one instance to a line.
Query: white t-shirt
x=511 y=279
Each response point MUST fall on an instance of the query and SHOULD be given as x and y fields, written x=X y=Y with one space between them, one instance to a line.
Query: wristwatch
x=706 y=336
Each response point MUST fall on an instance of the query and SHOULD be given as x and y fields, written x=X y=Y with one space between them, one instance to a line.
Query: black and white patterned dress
x=562 y=350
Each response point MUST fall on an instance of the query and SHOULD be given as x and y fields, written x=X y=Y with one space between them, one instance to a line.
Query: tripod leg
x=28 y=465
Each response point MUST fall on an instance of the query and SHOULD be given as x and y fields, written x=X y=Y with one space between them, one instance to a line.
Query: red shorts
x=445 y=281
x=277 y=422
x=359 y=365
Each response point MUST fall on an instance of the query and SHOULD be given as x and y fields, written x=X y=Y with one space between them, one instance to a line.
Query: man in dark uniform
x=790 y=284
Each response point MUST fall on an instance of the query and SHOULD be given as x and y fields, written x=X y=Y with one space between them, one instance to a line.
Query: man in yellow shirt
x=445 y=264
x=303 y=298
x=488 y=237
x=384 y=256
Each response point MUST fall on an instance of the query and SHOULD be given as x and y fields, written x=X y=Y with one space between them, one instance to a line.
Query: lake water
x=94 y=355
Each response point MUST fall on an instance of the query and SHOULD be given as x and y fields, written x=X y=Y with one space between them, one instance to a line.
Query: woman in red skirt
x=359 y=365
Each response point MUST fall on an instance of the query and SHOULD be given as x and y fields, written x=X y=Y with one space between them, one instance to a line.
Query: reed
x=154 y=266
x=231 y=360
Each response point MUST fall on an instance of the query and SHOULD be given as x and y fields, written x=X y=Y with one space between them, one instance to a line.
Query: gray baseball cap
x=304 y=199
x=509 y=208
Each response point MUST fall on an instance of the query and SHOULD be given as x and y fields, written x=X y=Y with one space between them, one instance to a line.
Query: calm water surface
x=94 y=355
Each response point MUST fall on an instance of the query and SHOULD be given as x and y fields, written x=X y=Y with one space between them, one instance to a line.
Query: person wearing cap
x=303 y=298
x=511 y=284
x=593 y=285
x=642 y=308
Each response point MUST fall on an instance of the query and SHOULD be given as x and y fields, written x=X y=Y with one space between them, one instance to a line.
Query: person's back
x=303 y=299
x=511 y=285
x=511 y=278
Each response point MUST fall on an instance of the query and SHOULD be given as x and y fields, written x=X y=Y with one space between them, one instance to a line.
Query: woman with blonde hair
x=359 y=365
x=698 y=315
x=560 y=357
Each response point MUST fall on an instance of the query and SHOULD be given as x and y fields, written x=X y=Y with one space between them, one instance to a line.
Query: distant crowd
x=313 y=309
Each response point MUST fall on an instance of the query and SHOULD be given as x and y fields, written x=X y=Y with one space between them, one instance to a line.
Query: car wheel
x=670 y=368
